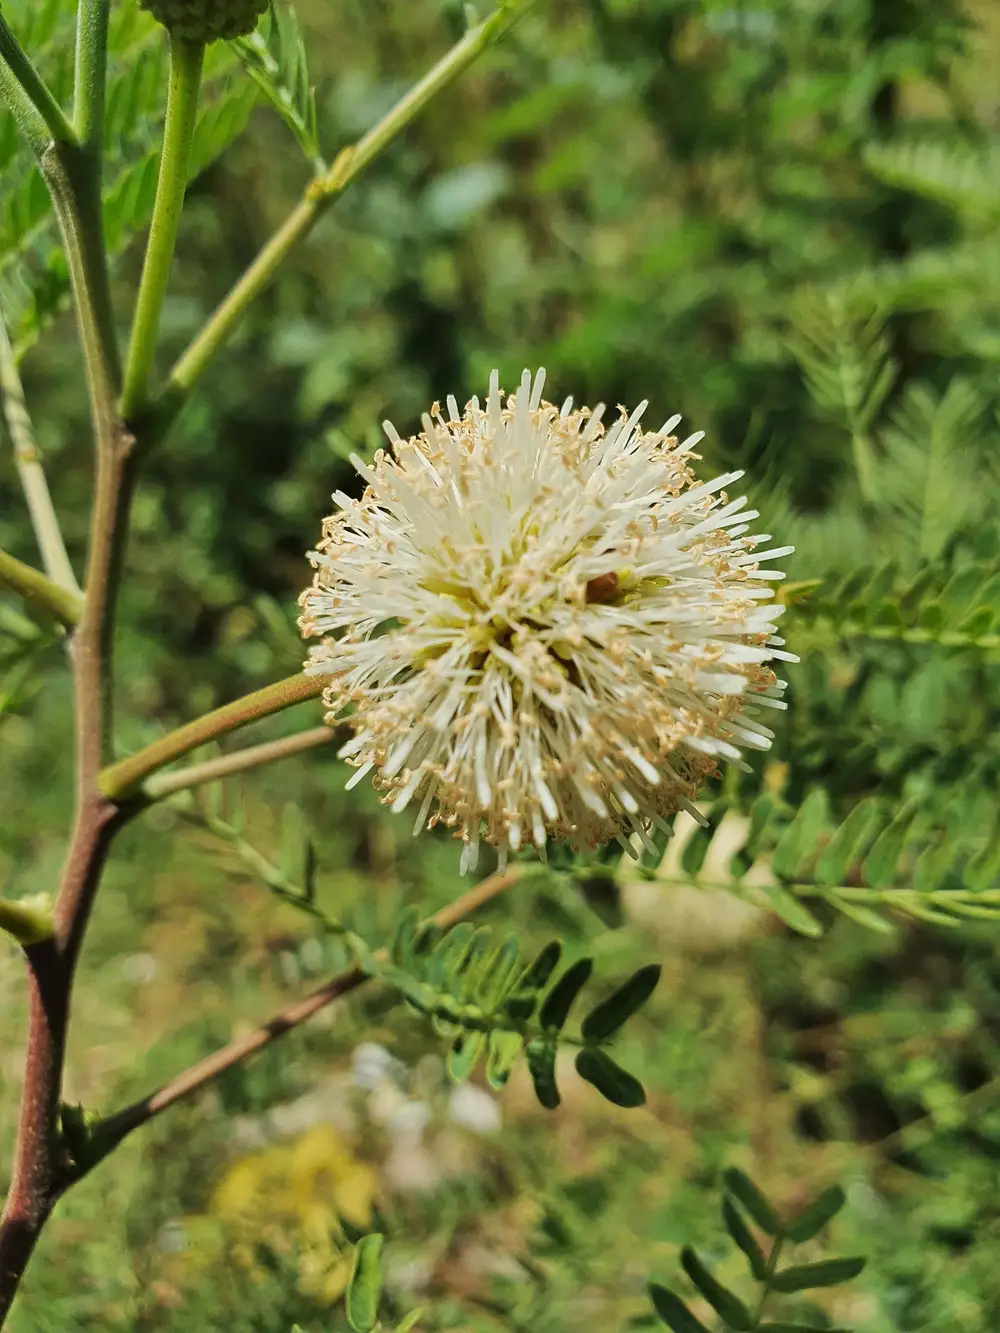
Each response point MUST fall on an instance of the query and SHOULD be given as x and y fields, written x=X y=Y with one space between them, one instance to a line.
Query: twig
x=111 y=1132
x=28 y=462
x=124 y=778
x=223 y=766
x=35 y=587
x=186 y=62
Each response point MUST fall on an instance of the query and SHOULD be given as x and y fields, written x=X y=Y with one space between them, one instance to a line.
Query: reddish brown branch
x=34 y=1186
x=35 y=1175
x=29 y=1198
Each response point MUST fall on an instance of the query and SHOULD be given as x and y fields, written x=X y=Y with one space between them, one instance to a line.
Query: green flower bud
x=206 y=20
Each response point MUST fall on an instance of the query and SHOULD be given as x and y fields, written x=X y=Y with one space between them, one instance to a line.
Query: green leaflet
x=556 y=1005
x=724 y=1302
x=798 y=843
x=848 y=844
x=607 y=1017
x=465 y=1055
x=791 y=910
x=503 y=1049
x=611 y=1081
x=826 y=1273
x=742 y=1188
x=497 y=975
x=542 y=1067
x=880 y=865
x=744 y=1238
x=811 y=1221
x=673 y=1311
x=364 y=1286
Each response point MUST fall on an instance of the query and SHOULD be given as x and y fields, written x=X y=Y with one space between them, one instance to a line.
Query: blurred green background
x=680 y=200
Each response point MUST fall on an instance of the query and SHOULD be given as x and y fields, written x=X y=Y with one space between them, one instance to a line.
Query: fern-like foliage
x=479 y=994
x=953 y=607
x=898 y=678
x=939 y=867
x=928 y=472
x=493 y=1007
x=276 y=61
x=34 y=282
x=744 y=1208
x=844 y=354
x=953 y=280
x=964 y=176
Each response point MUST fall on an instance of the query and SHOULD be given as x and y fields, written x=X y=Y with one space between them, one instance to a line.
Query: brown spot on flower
x=603 y=588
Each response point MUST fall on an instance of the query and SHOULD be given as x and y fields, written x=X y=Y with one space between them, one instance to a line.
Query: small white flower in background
x=372 y=1064
x=538 y=627
x=474 y=1109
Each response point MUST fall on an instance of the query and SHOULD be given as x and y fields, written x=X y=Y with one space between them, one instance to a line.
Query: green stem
x=31 y=584
x=90 y=74
x=772 y=1266
x=27 y=460
x=75 y=188
x=124 y=778
x=319 y=194
x=224 y=765
x=37 y=112
x=864 y=465
x=186 y=61
x=72 y=176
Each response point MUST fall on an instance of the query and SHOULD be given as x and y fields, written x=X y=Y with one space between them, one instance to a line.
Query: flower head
x=540 y=627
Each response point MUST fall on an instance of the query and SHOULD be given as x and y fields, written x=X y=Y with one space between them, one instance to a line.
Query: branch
x=111 y=1132
x=223 y=766
x=37 y=1175
x=29 y=1198
x=124 y=778
x=28 y=462
x=35 y=587
x=319 y=194
x=72 y=175
x=186 y=62
x=32 y=105
x=73 y=180
x=90 y=74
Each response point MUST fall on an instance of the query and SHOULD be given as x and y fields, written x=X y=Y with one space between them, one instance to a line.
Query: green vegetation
x=780 y=219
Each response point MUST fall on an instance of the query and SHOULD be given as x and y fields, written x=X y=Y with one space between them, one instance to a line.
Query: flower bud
x=206 y=20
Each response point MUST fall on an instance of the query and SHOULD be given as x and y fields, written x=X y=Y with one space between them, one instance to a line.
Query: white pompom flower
x=540 y=628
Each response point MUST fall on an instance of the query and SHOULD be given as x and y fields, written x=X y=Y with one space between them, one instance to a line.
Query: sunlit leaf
x=365 y=1284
